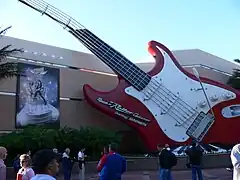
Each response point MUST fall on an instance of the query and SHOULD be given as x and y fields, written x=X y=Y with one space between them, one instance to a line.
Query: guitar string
x=120 y=61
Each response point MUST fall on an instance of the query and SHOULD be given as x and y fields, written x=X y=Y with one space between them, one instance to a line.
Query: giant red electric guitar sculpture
x=166 y=105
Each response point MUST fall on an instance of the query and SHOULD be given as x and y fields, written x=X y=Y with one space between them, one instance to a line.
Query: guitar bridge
x=200 y=126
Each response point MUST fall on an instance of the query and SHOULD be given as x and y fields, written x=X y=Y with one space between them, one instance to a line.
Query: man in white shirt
x=81 y=161
x=45 y=165
x=235 y=158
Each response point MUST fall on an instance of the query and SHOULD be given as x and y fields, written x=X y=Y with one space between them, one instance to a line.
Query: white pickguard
x=187 y=90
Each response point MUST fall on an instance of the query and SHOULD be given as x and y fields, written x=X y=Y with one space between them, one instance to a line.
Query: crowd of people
x=27 y=168
x=45 y=164
x=111 y=166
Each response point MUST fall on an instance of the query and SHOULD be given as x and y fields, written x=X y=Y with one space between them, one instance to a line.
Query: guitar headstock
x=55 y=14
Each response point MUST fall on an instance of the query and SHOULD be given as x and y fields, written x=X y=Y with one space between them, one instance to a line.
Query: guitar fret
x=106 y=52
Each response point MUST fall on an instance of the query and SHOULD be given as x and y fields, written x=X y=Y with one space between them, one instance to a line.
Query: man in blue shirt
x=112 y=165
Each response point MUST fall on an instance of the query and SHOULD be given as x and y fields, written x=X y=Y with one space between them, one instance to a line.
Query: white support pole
x=195 y=72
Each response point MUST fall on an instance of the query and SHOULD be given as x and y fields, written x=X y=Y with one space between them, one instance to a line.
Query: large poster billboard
x=37 y=100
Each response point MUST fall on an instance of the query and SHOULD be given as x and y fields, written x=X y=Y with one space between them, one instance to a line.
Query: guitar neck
x=115 y=60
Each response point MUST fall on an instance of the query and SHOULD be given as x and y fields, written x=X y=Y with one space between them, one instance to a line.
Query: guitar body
x=159 y=127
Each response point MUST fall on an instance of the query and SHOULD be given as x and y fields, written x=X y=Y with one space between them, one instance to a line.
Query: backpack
x=16 y=165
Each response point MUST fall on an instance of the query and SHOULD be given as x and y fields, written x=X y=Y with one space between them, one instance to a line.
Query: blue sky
x=128 y=25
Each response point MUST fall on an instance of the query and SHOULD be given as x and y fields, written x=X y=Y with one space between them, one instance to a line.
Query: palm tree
x=7 y=69
x=237 y=60
x=234 y=80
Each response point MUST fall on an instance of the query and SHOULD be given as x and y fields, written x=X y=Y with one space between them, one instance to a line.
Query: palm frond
x=8 y=69
x=7 y=50
x=2 y=32
x=234 y=80
x=237 y=60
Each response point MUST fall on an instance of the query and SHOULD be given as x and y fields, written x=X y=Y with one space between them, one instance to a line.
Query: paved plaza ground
x=209 y=174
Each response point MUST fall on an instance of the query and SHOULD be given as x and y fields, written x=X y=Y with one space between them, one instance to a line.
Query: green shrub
x=38 y=137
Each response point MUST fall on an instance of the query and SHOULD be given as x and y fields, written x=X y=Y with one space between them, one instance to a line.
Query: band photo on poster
x=37 y=100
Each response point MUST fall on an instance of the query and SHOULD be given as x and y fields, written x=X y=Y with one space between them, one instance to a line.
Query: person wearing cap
x=45 y=165
x=3 y=156
x=26 y=172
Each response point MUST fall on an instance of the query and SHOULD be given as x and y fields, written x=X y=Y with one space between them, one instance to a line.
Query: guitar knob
x=213 y=97
x=202 y=104
x=227 y=95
